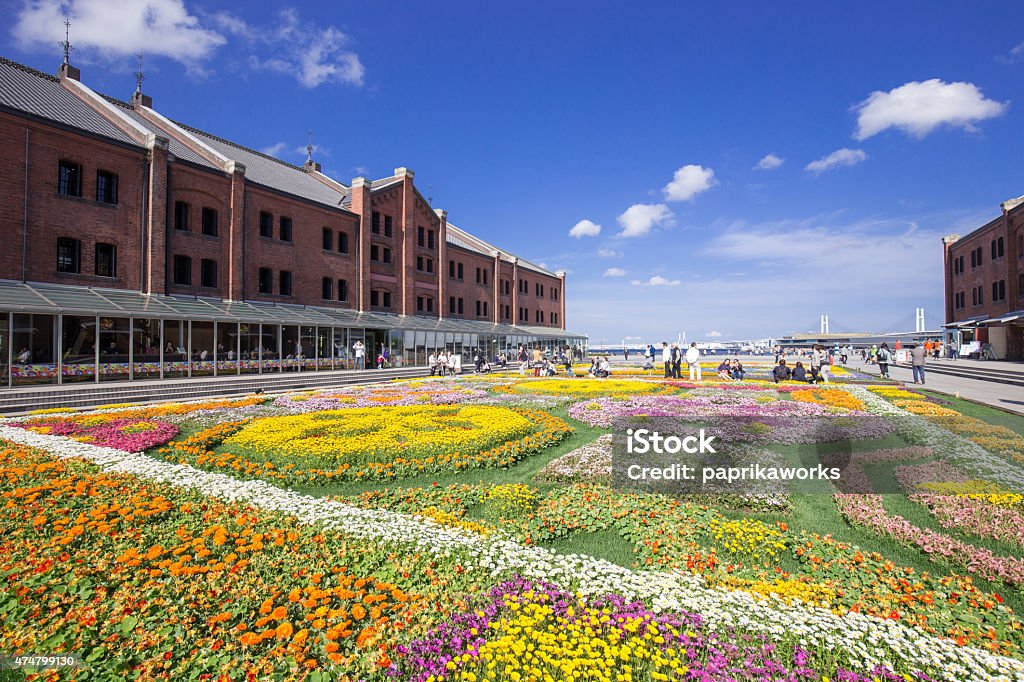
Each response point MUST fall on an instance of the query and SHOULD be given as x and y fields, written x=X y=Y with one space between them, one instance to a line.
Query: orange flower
x=358 y=612
x=284 y=630
x=331 y=647
x=279 y=613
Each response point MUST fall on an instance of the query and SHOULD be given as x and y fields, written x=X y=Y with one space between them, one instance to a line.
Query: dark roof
x=265 y=170
x=40 y=94
x=174 y=146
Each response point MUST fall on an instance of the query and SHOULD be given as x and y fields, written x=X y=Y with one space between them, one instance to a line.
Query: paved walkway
x=1005 y=396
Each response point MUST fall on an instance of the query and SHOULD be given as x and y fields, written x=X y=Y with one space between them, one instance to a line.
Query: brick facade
x=984 y=276
x=190 y=224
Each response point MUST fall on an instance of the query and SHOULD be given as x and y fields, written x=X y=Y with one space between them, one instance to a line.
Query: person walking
x=666 y=359
x=677 y=361
x=954 y=351
x=693 y=361
x=883 y=356
x=918 y=355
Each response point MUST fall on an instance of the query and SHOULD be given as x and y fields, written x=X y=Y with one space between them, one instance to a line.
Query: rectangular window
x=485 y=276
x=421 y=236
x=106 y=260
x=460 y=271
x=327 y=289
x=479 y=307
x=387 y=254
x=266 y=225
x=208 y=273
x=343 y=242
x=1020 y=285
x=451 y=268
x=460 y=307
x=209 y=221
x=328 y=241
x=1001 y=245
x=387 y=299
x=285 y=229
x=69 y=255
x=994 y=249
x=342 y=289
x=106 y=187
x=430 y=266
x=181 y=216
x=430 y=305
x=375 y=222
x=430 y=239
x=419 y=303
x=285 y=283
x=374 y=252
x=419 y=263
x=183 y=270
x=374 y=298
x=387 y=226
x=266 y=283
x=69 y=181
x=485 y=308
x=478 y=275
x=451 y=305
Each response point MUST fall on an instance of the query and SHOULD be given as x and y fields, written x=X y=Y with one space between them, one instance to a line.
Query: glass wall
x=146 y=344
x=175 y=348
x=5 y=349
x=290 y=347
x=306 y=352
x=33 y=348
x=226 y=334
x=115 y=342
x=324 y=348
x=78 y=348
x=270 y=343
x=249 y=354
x=202 y=349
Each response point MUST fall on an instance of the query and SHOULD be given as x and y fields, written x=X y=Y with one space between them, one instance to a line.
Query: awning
x=969 y=322
x=64 y=299
x=1009 y=317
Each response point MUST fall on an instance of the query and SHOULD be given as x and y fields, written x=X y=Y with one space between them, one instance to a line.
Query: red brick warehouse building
x=135 y=246
x=984 y=273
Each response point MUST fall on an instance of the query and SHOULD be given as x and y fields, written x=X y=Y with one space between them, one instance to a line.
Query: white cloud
x=585 y=228
x=837 y=159
x=608 y=253
x=614 y=272
x=312 y=54
x=115 y=29
x=274 y=149
x=638 y=219
x=1015 y=55
x=919 y=108
x=688 y=182
x=769 y=162
x=656 y=281
x=713 y=334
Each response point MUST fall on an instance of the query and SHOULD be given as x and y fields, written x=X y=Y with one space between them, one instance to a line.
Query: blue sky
x=749 y=167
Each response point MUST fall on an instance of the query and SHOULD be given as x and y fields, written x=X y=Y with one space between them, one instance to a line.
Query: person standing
x=954 y=350
x=918 y=355
x=524 y=360
x=666 y=358
x=677 y=361
x=538 y=360
x=649 y=354
x=360 y=351
x=883 y=356
x=693 y=361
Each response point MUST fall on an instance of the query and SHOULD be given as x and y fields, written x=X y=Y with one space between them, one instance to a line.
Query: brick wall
x=51 y=215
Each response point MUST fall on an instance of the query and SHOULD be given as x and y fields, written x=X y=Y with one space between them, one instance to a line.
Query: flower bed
x=582 y=387
x=128 y=434
x=379 y=443
x=590 y=462
x=392 y=394
x=832 y=397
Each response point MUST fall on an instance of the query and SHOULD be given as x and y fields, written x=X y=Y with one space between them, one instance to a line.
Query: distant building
x=984 y=274
x=138 y=247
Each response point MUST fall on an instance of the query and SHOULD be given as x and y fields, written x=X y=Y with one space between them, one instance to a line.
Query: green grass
x=602 y=544
x=985 y=413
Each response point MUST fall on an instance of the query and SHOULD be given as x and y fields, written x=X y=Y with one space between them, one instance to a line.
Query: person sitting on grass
x=800 y=374
x=724 y=370
x=603 y=368
x=781 y=372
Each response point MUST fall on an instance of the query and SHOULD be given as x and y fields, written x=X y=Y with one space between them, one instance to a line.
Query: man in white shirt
x=693 y=361
x=360 y=350
x=666 y=358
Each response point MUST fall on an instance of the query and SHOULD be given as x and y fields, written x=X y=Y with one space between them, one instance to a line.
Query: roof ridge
x=29 y=70
x=193 y=129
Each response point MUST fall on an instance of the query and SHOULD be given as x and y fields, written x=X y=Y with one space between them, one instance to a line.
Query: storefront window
x=202 y=349
x=115 y=340
x=305 y=353
x=5 y=349
x=146 y=343
x=324 y=348
x=33 y=358
x=227 y=348
x=175 y=348
x=270 y=340
x=249 y=357
x=78 y=346
x=291 y=348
